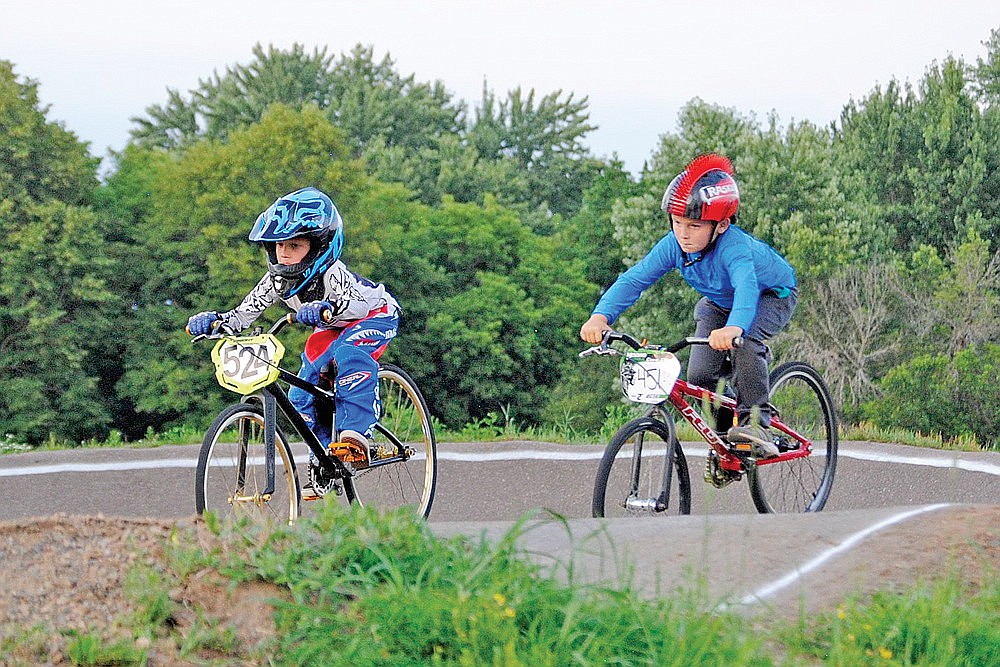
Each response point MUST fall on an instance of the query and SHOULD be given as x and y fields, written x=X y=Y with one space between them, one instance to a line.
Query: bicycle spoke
x=804 y=406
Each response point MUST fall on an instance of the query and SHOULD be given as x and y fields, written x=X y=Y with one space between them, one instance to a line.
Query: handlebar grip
x=326 y=315
x=215 y=326
x=611 y=336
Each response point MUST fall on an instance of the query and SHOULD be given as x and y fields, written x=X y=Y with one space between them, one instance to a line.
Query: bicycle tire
x=803 y=402
x=405 y=416
x=630 y=478
x=231 y=469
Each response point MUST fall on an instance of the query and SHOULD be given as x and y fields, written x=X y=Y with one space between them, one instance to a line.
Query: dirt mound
x=69 y=573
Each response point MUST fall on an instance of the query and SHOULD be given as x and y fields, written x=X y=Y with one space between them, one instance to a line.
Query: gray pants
x=749 y=362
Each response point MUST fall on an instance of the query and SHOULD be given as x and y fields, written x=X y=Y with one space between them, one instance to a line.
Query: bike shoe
x=759 y=438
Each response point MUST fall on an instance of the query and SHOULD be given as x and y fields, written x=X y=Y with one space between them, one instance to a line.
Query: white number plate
x=649 y=377
x=244 y=364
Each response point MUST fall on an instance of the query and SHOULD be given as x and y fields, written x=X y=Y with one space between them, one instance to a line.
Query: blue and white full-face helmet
x=306 y=213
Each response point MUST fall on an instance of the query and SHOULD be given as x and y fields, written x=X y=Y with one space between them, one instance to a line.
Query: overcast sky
x=100 y=62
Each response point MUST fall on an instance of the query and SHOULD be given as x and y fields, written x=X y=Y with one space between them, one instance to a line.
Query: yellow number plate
x=244 y=364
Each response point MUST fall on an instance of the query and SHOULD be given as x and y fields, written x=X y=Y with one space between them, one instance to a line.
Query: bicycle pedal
x=350 y=452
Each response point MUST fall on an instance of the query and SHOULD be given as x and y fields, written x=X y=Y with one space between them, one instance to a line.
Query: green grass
x=179 y=435
x=500 y=426
x=367 y=589
x=938 y=622
x=361 y=588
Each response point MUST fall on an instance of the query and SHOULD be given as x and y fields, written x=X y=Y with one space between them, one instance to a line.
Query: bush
x=934 y=394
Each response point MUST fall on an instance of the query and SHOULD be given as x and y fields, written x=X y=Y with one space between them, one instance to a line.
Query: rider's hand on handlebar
x=203 y=323
x=593 y=330
x=317 y=313
x=722 y=339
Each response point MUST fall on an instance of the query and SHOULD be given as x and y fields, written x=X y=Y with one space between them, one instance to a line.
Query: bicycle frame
x=682 y=390
x=727 y=460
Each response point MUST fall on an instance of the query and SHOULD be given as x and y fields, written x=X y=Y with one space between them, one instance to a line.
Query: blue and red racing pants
x=356 y=350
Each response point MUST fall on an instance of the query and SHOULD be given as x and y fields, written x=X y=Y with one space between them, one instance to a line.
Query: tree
x=543 y=138
x=589 y=234
x=524 y=151
x=986 y=83
x=39 y=158
x=850 y=327
x=915 y=162
x=52 y=274
x=489 y=310
x=968 y=275
x=953 y=397
x=792 y=200
x=370 y=101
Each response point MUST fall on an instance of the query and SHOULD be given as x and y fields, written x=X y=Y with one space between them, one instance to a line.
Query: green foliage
x=589 y=234
x=39 y=159
x=522 y=150
x=494 y=226
x=915 y=162
x=970 y=276
x=53 y=274
x=492 y=312
x=381 y=590
x=85 y=648
x=937 y=394
x=934 y=623
x=371 y=102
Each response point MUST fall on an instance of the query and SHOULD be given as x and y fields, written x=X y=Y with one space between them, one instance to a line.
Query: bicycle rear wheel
x=803 y=403
x=404 y=430
x=643 y=472
x=231 y=476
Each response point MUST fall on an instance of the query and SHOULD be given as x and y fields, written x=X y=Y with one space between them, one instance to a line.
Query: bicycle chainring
x=716 y=475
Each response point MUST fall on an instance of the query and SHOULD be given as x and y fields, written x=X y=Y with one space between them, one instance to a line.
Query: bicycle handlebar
x=219 y=330
x=611 y=336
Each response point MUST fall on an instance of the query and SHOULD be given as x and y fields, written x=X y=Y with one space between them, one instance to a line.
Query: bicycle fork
x=662 y=502
x=264 y=496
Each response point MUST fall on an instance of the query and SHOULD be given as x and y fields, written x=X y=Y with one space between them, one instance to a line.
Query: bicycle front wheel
x=231 y=478
x=643 y=472
x=803 y=403
x=403 y=470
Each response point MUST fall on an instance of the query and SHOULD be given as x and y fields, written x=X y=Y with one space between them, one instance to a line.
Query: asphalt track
x=893 y=514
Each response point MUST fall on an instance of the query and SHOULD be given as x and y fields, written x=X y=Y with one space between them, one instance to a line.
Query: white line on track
x=515 y=455
x=851 y=541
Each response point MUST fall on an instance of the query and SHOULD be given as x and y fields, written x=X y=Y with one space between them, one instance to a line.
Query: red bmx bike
x=644 y=470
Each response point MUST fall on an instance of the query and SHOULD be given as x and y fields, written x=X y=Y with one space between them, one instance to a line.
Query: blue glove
x=312 y=313
x=201 y=323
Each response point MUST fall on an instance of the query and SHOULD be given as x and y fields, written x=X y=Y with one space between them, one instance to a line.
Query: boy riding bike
x=303 y=235
x=748 y=290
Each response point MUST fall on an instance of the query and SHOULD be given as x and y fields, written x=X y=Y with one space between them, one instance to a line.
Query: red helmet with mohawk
x=705 y=190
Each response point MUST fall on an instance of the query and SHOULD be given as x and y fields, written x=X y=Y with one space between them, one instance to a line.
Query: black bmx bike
x=246 y=466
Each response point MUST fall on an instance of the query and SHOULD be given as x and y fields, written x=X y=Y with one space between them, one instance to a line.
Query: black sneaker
x=758 y=437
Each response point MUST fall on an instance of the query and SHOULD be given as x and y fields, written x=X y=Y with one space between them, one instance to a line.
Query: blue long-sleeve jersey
x=733 y=275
